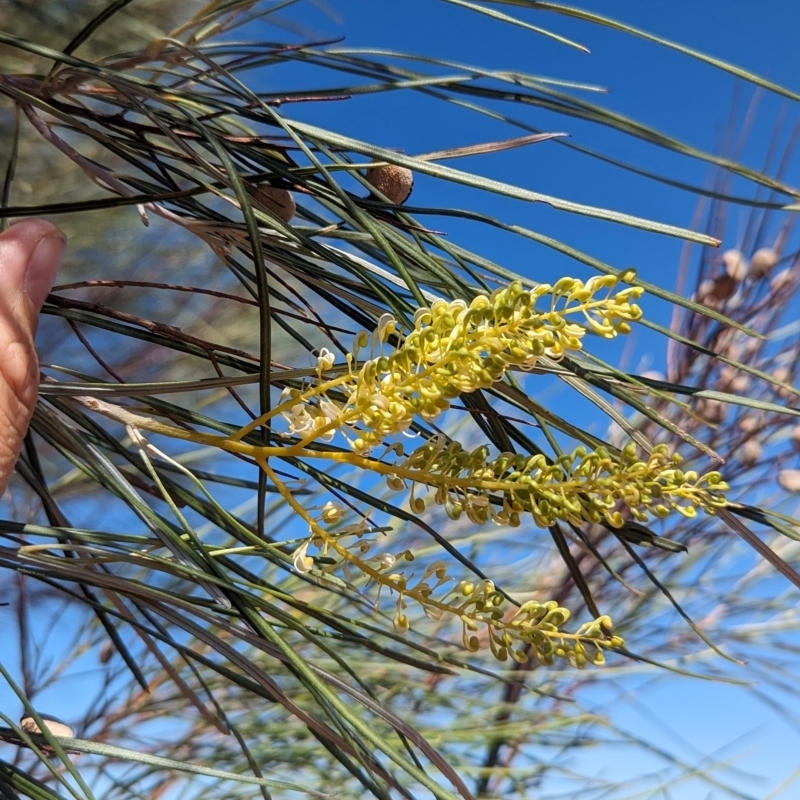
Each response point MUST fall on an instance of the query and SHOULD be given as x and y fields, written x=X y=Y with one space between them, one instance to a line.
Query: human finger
x=30 y=255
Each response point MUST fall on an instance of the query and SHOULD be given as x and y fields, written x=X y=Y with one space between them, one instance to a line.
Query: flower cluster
x=454 y=348
x=478 y=605
x=535 y=624
x=457 y=348
x=584 y=486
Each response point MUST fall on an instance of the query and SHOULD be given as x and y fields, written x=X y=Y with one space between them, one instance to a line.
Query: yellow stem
x=262 y=452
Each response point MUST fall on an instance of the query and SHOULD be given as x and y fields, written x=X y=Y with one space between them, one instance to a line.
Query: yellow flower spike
x=455 y=348
x=578 y=487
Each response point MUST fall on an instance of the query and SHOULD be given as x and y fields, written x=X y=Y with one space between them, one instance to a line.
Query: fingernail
x=42 y=268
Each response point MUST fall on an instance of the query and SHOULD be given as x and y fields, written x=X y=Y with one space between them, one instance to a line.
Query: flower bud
x=400 y=622
x=302 y=562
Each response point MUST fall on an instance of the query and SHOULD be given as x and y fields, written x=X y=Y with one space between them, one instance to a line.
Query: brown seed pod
x=740 y=384
x=616 y=435
x=704 y=289
x=750 y=348
x=393 y=181
x=750 y=452
x=106 y=652
x=733 y=381
x=726 y=376
x=53 y=725
x=763 y=262
x=712 y=411
x=789 y=479
x=724 y=287
x=750 y=424
x=277 y=201
x=784 y=375
x=735 y=265
x=705 y=294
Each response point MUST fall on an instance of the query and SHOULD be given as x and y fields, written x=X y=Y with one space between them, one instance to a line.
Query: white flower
x=386 y=560
x=325 y=359
x=331 y=513
x=302 y=562
x=387 y=325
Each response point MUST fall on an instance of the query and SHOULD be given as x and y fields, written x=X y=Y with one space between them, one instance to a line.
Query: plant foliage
x=288 y=511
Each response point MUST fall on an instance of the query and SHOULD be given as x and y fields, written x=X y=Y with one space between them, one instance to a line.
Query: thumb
x=30 y=254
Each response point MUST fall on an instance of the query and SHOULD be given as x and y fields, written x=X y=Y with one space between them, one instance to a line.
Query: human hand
x=30 y=255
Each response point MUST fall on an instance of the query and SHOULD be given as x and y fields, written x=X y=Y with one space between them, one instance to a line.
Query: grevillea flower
x=455 y=348
x=585 y=486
